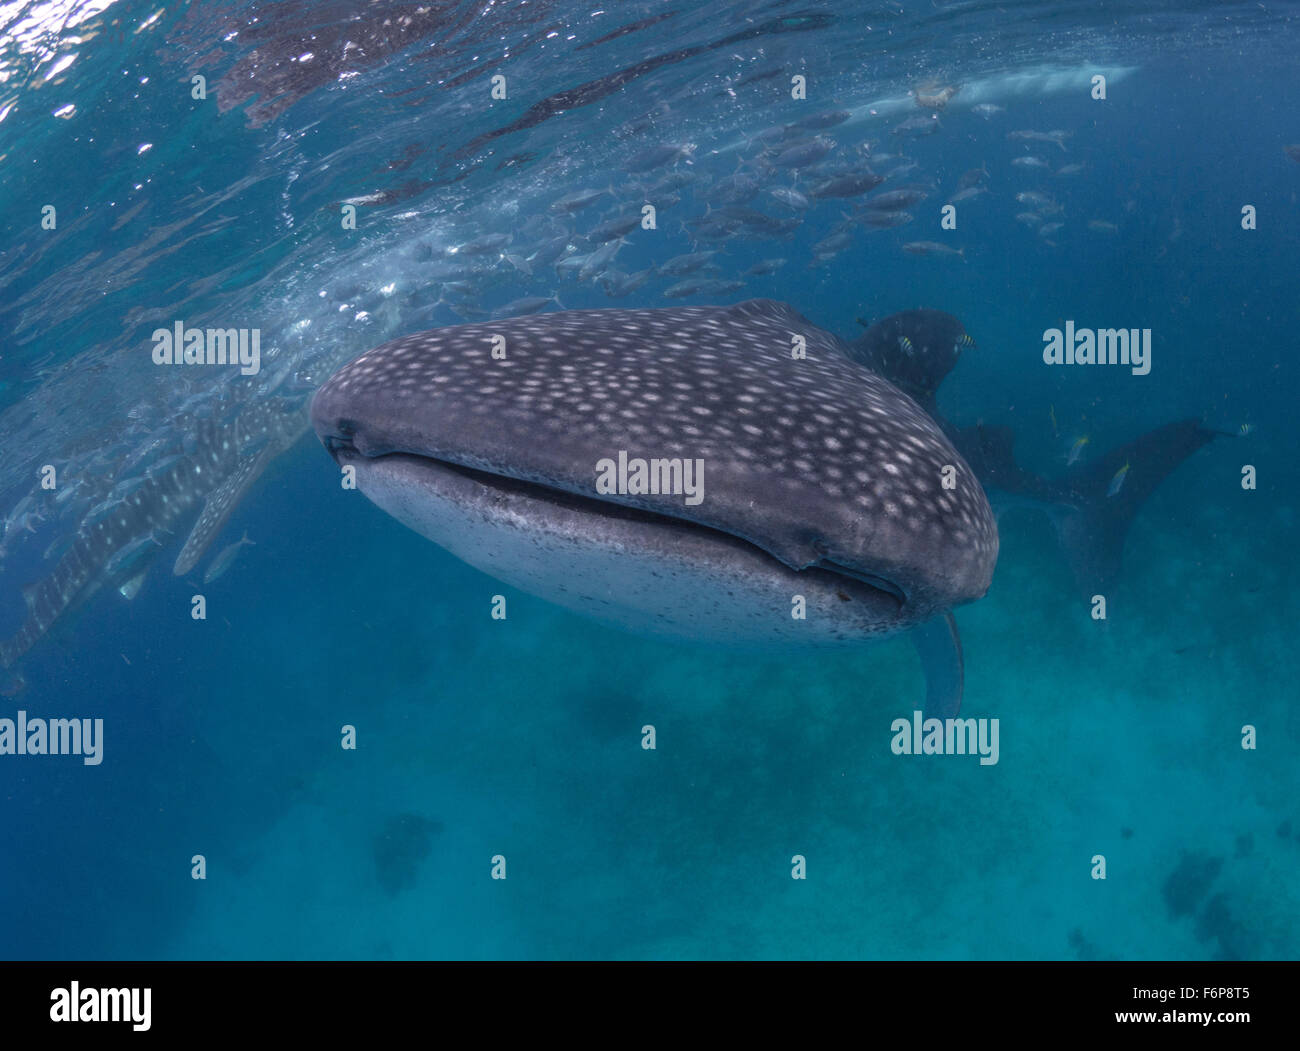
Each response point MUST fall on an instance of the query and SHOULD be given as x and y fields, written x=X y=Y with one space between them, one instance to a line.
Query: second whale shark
x=1091 y=513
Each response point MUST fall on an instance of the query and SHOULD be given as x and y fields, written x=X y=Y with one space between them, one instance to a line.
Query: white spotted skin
x=642 y=574
x=816 y=461
x=225 y=461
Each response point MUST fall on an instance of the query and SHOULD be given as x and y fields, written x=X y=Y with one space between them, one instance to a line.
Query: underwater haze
x=308 y=732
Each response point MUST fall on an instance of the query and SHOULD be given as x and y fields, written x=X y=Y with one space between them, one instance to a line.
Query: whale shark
x=826 y=489
x=917 y=349
x=115 y=547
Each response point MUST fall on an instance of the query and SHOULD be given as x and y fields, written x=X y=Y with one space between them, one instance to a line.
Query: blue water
x=522 y=738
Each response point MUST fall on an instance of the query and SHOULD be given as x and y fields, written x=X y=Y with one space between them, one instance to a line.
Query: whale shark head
x=697 y=471
x=914 y=349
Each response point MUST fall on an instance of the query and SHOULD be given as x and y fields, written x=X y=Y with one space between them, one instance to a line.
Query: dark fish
x=823 y=120
x=753 y=219
x=702 y=286
x=847 y=185
x=131 y=554
x=776 y=134
x=1056 y=137
x=893 y=200
x=902 y=170
x=933 y=248
x=1045 y=204
x=485 y=245
x=617 y=284
x=883 y=220
x=804 y=154
x=631 y=27
x=734 y=189
x=653 y=157
x=575 y=202
x=613 y=229
x=917 y=126
x=674 y=180
x=225 y=559
x=525 y=305
x=790 y=197
x=599 y=260
x=549 y=251
x=757 y=77
x=832 y=245
x=681 y=265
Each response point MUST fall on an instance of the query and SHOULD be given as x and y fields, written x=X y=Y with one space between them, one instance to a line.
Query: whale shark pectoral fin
x=939 y=647
x=220 y=505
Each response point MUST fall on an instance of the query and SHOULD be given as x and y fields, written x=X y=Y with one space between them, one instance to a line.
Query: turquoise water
x=522 y=737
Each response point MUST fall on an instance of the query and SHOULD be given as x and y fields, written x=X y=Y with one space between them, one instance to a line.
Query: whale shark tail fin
x=1105 y=496
x=990 y=451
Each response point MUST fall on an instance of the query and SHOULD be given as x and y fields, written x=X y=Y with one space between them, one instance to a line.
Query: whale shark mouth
x=433 y=473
